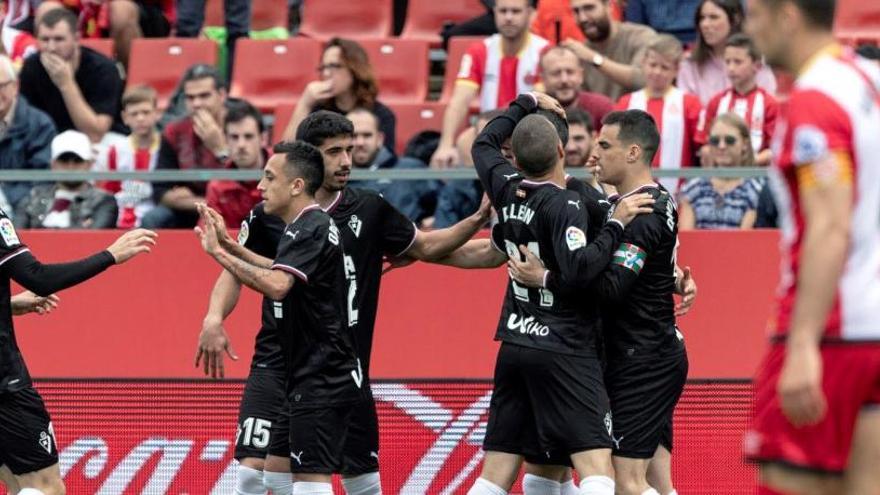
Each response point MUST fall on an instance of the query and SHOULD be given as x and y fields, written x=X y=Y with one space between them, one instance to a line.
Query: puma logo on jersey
x=510 y=176
x=292 y=235
x=616 y=442
x=374 y=454
x=298 y=457
x=576 y=204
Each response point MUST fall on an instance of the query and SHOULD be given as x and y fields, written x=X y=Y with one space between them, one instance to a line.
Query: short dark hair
x=203 y=71
x=559 y=123
x=239 y=110
x=54 y=16
x=636 y=127
x=534 y=145
x=323 y=125
x=302 y=160
x=742 y=40
x=577 y=116
x=366 y=111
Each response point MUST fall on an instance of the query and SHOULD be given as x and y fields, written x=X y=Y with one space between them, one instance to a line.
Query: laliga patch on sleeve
x=7 y=231
x=809 y=144
x=575 y=238
x=244 y=232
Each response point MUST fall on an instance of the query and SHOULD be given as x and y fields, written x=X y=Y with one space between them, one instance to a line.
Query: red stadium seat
x=401 y=68
x=159 y=62
x=857 y=21
x=413 y=118
x=457 y=47
x=272 y=72
x=283 y=113
x=324 y=19
x=104 y=46
x=425 y=18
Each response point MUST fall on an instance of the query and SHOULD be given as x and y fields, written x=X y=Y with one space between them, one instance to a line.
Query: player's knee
x=278 y=483
x=597 y=485
x=312 y=488
x=249 y=481
x=533 y=484
x=363 y=484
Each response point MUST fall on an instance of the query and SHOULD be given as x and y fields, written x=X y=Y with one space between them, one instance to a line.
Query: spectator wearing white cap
x=68 y=204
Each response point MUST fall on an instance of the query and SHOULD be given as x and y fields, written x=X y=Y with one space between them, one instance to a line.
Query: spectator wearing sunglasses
x=346 y=82
x=723 y=203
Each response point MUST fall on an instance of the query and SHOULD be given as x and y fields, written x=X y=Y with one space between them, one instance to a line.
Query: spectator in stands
x=723 y=203
x=554 y=21
x=68 y=205
x=347 y=82
x=676 y=113
x=563 y=77
x=192 y=142
x=236 y=16
x=247 y=140
x=496 y=69
x=753 y=104
x=665 y=16
x=580 y=138
x=25 y=135
x=77 y=86
x=136 y=152
x=702 y=72
x=613 y=51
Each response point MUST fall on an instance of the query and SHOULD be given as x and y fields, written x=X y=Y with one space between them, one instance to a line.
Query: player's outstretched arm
x=439 y=243
x=274 y=284
x=213 y=341
x=493 y=169
x=27 y=302
x=45 y=280
x=476 y=253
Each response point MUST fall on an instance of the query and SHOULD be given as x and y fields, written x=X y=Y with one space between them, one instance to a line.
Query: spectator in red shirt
x=755 y=105
x=246 y=136
x=563 y=77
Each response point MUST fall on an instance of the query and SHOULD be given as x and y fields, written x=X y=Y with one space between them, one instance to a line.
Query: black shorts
x=152 y=20
x=27 y=441
x=317 y=438
x=360 y=450
x=261 y=403
x=643 y=396
x=545 y=402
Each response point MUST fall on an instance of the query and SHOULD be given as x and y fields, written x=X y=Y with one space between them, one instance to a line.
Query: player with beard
x=370 y=229
x=614 y=49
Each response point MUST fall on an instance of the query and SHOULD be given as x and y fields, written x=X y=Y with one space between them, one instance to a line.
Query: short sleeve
x=471 y=69
x=818 y=127
x=10 y=244
x=104 y=88
x=300 y=251
x=398 y=231
x=252 y=233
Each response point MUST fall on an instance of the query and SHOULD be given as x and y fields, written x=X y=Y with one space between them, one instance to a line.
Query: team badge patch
x=630 y=257
x=810 y=144
x=354 y=223
x=7 y=231
x=46 y=441
x=244 y=232
x=575 y=238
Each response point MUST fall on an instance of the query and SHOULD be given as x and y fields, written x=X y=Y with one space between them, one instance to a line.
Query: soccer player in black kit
x=28 y=453
x=646 y=358
x=324 y=379
x=548 y=394
x=370 y=229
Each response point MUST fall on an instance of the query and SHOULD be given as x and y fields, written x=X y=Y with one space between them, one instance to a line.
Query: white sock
x=568 y=488
x=673 y=492
x=249 y=481
x=30 y=491
x=486 y=487
x=597 y=485
x=312 y=488
x=363 y=484
x=538 y=485
x=650 y=491
x=278 y=483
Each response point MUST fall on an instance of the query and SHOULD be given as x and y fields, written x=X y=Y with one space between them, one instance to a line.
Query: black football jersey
x=313 y=322
x=552 y=223
x=261 y=233
x=369 y=227
x=13 y=372
x=637 y=288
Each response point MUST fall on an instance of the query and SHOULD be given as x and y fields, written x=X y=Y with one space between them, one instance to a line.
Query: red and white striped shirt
x=758 y=109
x=833 y=111
x=501 y=78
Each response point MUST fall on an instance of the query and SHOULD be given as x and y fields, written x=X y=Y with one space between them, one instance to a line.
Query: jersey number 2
x=351 y=276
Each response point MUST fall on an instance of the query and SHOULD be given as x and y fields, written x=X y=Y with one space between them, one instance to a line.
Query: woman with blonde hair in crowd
x=723 y=203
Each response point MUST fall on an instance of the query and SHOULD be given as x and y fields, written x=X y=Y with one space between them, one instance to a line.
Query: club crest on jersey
x=575 y=238
x=46 y=441
x=243 y=232
x=354 y=223
x=609 y=425
x=7 y=231
x=630 y=257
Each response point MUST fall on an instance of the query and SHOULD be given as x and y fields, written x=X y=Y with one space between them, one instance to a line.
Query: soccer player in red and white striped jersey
x=817 y=421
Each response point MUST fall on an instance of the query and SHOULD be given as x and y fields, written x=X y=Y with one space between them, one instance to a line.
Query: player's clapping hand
x=131 y=244
x=213 y=343
x=211 y=215
x=686 y=287
x=800 y=384
x=28 y=302
x=632 y=206
x=208 y=237
x=530 y=272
